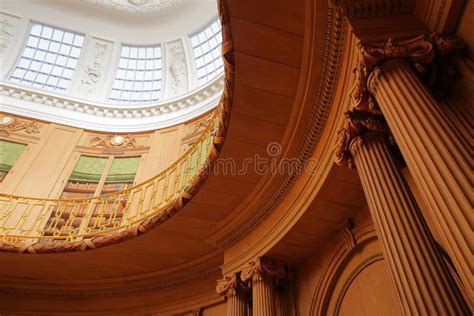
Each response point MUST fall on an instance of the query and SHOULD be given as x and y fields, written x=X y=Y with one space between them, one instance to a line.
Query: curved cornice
x=57 y=108
x=90 y=293
x=314 y=122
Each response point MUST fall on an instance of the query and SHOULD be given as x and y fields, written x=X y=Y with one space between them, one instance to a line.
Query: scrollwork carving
x=356 y=124
x=10 y=124
x=113 y=141
x=232 y=285
x=421 y=52
x=263 y=267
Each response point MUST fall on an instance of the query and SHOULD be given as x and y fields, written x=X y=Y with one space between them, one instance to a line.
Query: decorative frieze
x=113 y=141
x=11 y=124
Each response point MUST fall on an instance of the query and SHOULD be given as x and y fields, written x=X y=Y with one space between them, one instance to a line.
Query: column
x=263 y=275
x=235 y=291
x=422 y=281
x=439 y=163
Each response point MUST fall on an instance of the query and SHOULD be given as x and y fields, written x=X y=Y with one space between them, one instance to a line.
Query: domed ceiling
x=110 y=65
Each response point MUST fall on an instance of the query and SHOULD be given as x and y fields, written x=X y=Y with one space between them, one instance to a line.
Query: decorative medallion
x=113 y=141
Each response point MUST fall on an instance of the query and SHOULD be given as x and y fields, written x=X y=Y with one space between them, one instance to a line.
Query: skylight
x=139 y=76
x=207 y=52
x=49 y=58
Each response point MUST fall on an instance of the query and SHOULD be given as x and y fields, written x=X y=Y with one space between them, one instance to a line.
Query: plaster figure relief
x=177 y=71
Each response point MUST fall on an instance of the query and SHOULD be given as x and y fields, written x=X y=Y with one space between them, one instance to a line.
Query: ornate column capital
x=263 y=267
x=231 y=286
x=356 y=124
x=419 y=51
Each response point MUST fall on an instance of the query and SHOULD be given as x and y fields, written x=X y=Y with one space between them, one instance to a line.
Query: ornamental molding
x=75 y=294
x=263 y=268
x=136 y=7
x=356 y=124
x=11 y=124
x=113 y=141
x=231 y=286
x=354 y=9
x=26 y=101
x=421 y=52
x=325 y=90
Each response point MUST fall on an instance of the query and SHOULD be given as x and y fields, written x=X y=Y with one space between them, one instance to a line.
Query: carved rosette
x=424 y=53
x=356 y=124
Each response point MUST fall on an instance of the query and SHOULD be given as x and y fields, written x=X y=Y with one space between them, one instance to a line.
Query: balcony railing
x=56 y=225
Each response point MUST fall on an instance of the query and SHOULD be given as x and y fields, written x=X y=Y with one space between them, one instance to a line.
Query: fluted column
x=439 y=165
x=235 y=291
x=263 y=275
x=422 y=281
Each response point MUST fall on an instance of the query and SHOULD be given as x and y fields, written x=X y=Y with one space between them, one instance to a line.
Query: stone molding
x=106 y=117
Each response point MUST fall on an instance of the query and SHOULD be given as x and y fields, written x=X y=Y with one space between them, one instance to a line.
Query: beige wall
x=52 y=151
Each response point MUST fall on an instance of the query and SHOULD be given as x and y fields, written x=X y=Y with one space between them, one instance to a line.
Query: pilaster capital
x=419 y=51
x=263 y=267
x=356 y=125
x=230 y=286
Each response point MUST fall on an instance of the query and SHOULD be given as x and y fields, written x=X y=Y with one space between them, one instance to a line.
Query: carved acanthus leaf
x=356 y=123
x=231 y=285
x=420 y=51
x=263 y=267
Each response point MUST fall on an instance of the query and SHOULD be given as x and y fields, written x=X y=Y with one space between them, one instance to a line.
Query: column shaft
x=263 y=295
x=437 y=159
x=236 y=305
x=422 y=281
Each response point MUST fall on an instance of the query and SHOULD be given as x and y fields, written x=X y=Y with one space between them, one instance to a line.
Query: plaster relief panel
x=176 y=70
x=93 y=70
x=9 y=30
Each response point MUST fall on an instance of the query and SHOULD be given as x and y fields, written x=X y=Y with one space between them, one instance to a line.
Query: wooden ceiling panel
x=262 y=104
x=254 y=131
x=286 y=15
x=265 y=74
x=268 y=43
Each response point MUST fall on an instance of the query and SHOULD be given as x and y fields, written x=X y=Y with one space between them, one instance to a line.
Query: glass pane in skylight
x=134 y=85
x=49 y=58
x=207 y=51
